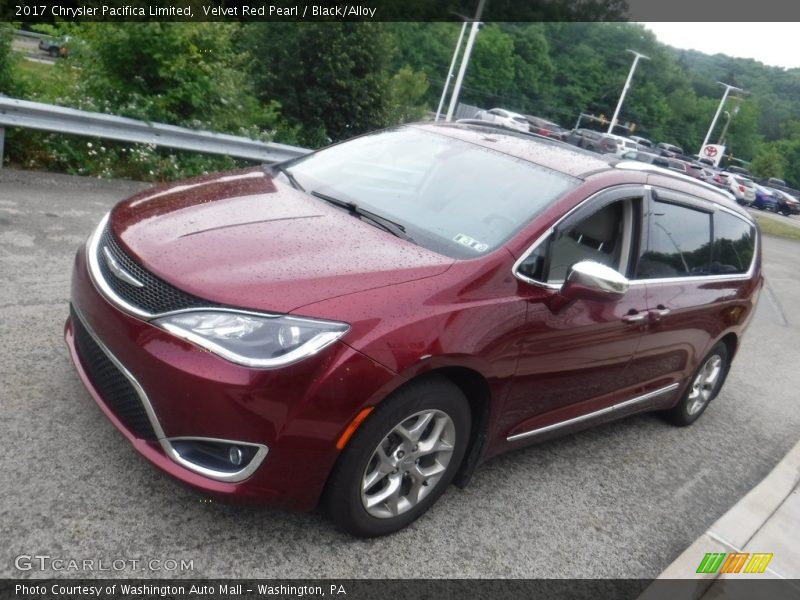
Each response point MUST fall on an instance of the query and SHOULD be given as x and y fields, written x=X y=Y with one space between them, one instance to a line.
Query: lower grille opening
x=113 y=386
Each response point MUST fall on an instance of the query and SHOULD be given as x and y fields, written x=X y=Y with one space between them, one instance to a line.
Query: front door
x=574 y=354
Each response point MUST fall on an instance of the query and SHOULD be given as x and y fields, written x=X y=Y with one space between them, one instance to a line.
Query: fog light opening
x=217 y=458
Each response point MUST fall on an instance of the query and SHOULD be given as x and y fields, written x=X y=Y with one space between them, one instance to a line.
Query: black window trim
x=683 y=199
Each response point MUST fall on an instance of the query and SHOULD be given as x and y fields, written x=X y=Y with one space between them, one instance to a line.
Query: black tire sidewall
x=343 y=494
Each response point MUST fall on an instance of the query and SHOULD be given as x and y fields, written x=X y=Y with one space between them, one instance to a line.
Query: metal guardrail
x=48 y=117
x=31 y=34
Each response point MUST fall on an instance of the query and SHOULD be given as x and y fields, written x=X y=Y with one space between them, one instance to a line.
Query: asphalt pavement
x=621 y=500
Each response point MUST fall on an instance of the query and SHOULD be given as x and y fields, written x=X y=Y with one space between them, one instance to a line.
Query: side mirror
x=589 y=280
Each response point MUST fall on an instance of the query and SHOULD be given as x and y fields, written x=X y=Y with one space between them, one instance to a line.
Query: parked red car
x=368 y=323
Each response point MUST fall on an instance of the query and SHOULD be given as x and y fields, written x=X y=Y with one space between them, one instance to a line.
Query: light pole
x=450 y=72
x=465 y=60
x=731 y=114
x=728 y=89
x=637 y=56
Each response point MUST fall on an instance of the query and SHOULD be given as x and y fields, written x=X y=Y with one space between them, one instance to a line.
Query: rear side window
x=678 y=243
x=734 y=244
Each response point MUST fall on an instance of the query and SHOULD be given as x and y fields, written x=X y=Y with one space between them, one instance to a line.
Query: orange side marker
x=351 y=429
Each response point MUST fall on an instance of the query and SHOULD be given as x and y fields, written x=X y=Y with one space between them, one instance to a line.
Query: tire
x=387 y=477
x=703 y=387
x=53 y=52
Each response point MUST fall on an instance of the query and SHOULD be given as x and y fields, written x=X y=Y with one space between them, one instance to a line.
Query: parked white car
x=506 y=118
x=742 y=188
x=644 y=143
x=624 y=144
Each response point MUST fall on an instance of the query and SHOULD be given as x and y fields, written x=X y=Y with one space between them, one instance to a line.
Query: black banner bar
x=397 y=589
x=48 y=11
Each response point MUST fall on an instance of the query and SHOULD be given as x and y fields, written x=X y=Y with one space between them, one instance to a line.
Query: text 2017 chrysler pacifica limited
x=364 y=325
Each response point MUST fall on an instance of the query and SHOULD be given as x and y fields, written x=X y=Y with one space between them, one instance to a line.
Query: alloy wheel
x=703 y=385
x=408 y=463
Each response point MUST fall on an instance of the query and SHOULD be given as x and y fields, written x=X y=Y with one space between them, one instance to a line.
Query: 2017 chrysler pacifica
x=364 y=325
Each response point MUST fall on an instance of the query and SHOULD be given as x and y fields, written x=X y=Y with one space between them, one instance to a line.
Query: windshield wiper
x=282 y=169
x=354 y=209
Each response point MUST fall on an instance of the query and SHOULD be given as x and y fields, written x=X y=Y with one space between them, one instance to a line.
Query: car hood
x=248 y=240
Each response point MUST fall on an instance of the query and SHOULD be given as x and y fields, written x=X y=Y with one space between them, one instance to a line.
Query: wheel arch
x=478 y=394
x=477 y=391
x=731 y=341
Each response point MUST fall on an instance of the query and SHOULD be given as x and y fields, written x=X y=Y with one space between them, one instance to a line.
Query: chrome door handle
x=635 y=318
x=660 y=312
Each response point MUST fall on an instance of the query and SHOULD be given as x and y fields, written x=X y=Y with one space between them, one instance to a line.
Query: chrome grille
x=156 y=296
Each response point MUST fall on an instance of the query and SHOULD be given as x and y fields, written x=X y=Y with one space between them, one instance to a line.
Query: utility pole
x=637 y=56
x=728 y=89
x=450 y=72
x=465 y=60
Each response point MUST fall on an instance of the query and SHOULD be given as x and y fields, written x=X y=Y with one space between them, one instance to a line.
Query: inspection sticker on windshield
x=469 y=242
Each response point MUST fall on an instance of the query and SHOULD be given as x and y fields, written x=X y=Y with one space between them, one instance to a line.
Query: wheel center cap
x=407 y=462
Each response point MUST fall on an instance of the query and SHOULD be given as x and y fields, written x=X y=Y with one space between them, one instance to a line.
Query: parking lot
x=621 y=500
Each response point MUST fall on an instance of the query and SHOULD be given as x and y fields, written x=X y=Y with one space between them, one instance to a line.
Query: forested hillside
x=313 y=83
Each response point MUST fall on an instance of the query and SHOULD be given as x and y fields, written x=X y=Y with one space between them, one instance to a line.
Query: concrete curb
x=767 y=519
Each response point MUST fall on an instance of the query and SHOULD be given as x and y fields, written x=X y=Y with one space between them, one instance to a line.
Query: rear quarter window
x=734 y=244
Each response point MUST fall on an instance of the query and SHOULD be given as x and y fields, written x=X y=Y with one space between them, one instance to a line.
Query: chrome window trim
x=533 y=247
x=592 y=415
x=688 y=279
x=161 y=437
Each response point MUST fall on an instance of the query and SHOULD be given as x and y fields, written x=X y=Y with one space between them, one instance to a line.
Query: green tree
x=329 y=78
x=533 y=67
x=407 y=89
x=491 y=68
x=177 y=73
x=426 y=48
x=185 y=74
x=769 y=161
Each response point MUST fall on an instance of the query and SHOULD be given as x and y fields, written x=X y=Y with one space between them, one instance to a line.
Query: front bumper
x=295 y=413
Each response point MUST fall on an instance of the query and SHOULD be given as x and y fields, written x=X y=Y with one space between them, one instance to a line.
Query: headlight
x=253 y=340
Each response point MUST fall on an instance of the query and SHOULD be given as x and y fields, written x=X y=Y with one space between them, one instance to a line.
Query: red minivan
x=366 y=324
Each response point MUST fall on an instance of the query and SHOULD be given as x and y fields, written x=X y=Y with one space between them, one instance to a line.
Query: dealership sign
x=713 y=152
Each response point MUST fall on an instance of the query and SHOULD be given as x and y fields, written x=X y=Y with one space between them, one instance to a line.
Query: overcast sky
x=775 y=44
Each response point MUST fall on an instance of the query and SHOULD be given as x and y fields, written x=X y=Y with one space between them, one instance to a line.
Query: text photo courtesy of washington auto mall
x=461 y=298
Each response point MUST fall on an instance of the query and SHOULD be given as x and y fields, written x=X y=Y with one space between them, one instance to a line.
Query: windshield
x=451 y=196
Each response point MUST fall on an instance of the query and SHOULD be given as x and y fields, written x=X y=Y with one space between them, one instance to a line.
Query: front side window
x=604 y=236
x=678 y=243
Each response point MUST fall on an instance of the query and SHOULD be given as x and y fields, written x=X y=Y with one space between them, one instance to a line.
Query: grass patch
x=41 y=81
x=772 y=227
